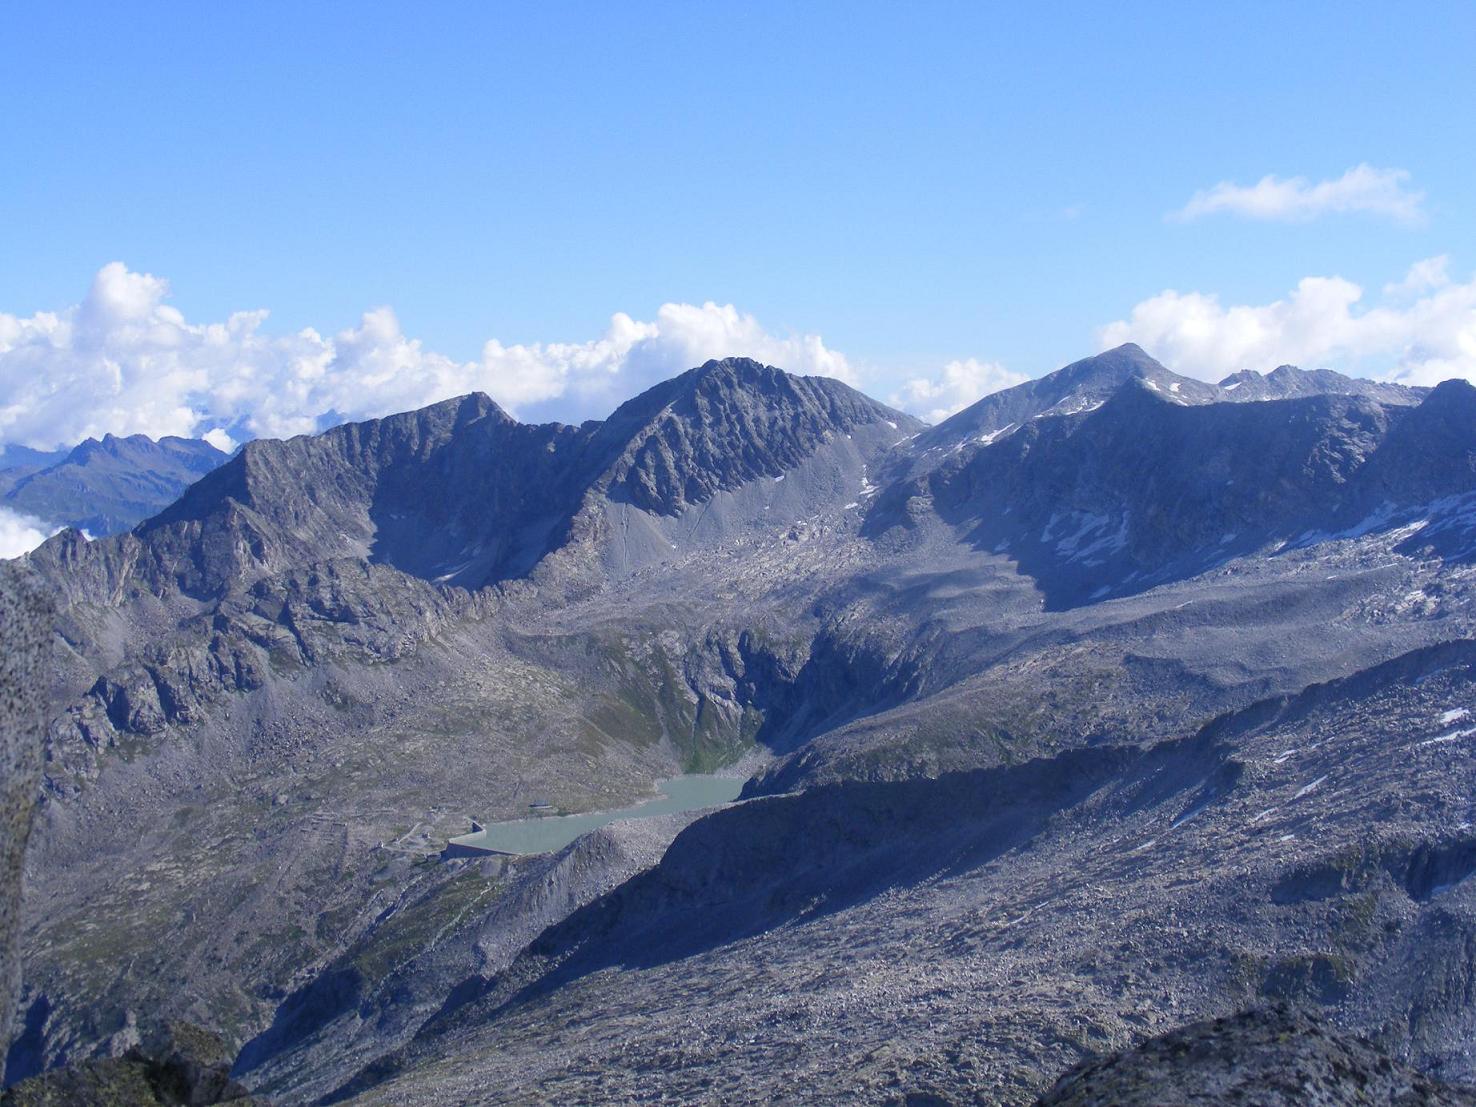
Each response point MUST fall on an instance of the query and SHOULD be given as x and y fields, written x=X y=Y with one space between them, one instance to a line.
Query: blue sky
x=913 y=184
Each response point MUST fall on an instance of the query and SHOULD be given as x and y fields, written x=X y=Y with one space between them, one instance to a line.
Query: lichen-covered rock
x=1267 y=1057
x=25 y=635
x=181 y=1066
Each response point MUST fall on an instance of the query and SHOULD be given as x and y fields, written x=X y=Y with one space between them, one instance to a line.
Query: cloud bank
x=1423 y=330
x=21 y=533
x=125 y=361
x=1365 y=189
x=959 y=384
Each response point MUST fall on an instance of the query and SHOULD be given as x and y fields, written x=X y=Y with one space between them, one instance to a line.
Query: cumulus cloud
x=1422 y=277
x=1422 y=332
x=125 y=361
x=593 y=377
x=1363 y=188
x=957 y=386
x=21 y=533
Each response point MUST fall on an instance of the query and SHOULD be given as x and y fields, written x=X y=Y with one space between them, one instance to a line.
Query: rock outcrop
x=182 y=1066
x=1266 y=1057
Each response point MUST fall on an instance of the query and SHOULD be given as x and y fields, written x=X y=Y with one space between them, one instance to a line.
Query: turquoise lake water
x=544 y=835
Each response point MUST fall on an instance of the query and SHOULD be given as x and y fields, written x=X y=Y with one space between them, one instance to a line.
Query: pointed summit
x=727 y=422
x=1077 y=387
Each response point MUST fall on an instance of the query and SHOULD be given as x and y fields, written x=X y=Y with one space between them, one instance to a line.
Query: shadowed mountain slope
x=1140 y=489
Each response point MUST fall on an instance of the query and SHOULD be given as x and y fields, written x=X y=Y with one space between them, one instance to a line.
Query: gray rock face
x=25 y=635
x=105 y=487
x=401 y=971
x=723 y=425
x=1269 y=1056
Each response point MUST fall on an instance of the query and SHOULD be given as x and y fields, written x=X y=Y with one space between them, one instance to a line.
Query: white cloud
x=21 y=533
x=220 y=440
x=1423 y=332
x=1363 y=189
x=959 y=384
x=125 y=361
x=1422 y=277
x=593 y=377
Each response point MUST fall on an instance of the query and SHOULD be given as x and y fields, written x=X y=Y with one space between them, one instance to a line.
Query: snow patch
x=1308 y=789
x=1453 y=715
x=993 y=436
x=1076 y=409
x=1453 y=736
x=444 y=577
x=1089 y=541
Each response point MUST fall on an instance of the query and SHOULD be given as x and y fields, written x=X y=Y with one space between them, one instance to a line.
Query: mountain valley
x=1115 y=702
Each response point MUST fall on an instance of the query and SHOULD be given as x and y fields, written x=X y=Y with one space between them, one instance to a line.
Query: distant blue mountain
x=103 y=487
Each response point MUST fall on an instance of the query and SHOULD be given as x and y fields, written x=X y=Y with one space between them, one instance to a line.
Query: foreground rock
x=184 y=1067
x=1268 y=1057
x=25 y=638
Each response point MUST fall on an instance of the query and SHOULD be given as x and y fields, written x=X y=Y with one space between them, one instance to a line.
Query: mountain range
x=1116 y=701
x=106 y=486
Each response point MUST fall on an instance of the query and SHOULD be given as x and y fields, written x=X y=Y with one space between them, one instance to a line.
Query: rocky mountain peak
x=1287 y=382
x=1114 y=365
x=737 y=372
x=1077 y=387
x=725 y=423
